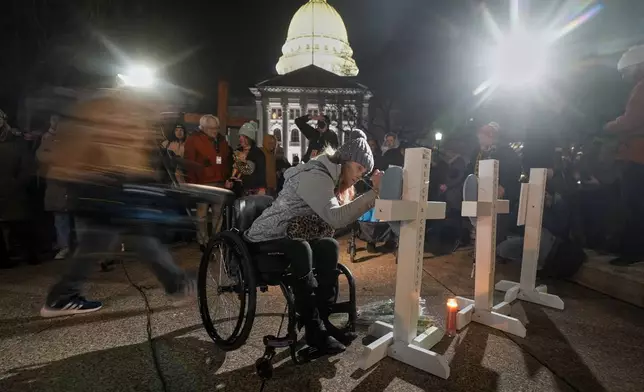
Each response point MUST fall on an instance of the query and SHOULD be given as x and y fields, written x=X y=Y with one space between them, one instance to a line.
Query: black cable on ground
x=520 y=346
x=151 y=341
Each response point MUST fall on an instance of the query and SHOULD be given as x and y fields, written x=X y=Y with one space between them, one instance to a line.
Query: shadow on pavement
x=27 y=325
x=551 y=348
x=467 y=373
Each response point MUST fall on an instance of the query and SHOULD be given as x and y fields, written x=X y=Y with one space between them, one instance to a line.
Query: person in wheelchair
x=300 y=225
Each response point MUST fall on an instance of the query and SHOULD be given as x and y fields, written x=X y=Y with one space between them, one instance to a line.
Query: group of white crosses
x=400 y=340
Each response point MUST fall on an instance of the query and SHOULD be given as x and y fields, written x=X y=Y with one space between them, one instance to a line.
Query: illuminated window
x=295 y=136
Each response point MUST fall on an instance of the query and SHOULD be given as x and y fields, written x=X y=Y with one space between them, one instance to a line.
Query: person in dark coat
x=319 y=138
x=56 y=193
x=510 y=170
x=395 y=156
x=249 y=169
x=377 y=153
x=16 y=169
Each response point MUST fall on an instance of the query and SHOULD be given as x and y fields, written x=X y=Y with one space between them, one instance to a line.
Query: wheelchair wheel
x=227 y=278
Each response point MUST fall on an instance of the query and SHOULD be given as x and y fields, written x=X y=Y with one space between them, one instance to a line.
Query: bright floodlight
x=139 y=76
x=438 y=136
x=520 y=60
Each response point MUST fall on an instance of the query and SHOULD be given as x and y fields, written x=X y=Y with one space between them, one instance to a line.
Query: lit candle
x=452 y=310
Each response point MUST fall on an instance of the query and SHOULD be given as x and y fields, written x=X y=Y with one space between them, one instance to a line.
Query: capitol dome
x=317 y=35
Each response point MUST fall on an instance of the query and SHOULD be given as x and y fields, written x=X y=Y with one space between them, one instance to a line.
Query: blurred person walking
x=210 y=159
x=106 y=142
x=56 y=192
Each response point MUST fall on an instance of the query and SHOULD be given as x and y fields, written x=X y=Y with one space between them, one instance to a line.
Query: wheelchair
x=238 y=274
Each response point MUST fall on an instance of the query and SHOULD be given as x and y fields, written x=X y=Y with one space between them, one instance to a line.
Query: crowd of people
x=60 y=186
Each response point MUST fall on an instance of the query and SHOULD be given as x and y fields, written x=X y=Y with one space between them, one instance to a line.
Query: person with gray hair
x=210 y=159
x=300 y=224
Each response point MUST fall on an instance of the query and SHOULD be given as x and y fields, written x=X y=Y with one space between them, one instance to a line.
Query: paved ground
x=594 y=345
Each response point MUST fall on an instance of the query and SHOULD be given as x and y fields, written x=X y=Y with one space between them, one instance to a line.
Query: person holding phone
x=319 y=138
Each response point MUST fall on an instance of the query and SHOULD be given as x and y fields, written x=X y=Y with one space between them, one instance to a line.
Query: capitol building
x=315 y=75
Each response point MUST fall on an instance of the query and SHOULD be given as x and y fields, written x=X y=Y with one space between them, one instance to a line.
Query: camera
x=321 y=124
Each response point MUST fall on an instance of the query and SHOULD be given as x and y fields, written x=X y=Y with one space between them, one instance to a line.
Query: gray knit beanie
x=356 y=149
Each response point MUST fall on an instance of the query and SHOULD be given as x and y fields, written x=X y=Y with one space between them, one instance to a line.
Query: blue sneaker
x=71 y=306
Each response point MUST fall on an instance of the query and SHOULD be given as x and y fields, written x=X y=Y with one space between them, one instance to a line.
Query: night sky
x=424 y=54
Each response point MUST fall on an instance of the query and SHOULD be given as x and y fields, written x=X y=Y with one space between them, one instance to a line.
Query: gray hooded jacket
x=308 y=190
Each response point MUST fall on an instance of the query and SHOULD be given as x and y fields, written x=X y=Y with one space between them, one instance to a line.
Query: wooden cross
x=400 y=340
x=485 y=210
x=531 y=215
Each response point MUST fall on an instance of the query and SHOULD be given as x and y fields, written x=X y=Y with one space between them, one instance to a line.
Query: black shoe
x=625 y=261
x=371 y=248
x=320 y=340
x=341 y=335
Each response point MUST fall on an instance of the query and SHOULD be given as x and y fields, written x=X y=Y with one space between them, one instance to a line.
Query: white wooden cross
x=481 y=309
x=531 y=215
x=400 y=341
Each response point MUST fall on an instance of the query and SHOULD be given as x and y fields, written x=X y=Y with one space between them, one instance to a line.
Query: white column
x=262 y=121
x=304 y=142
x=365 y=115
x=286 y=139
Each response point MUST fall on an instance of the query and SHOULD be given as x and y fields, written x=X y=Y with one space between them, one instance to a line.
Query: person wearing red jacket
x=629 y=129
x=210 y=162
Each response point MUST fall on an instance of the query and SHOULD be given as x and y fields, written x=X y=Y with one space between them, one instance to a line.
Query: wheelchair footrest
x=283 y=342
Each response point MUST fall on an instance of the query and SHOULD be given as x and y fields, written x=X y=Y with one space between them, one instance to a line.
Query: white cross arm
x=435 y=210
x=396 y=210
x=484 y=208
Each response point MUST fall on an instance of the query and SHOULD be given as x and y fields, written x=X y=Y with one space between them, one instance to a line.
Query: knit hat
x=356 y=149
x=249 y=130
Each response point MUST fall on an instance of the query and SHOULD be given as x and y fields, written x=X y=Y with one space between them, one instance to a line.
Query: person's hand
x=228 y=184
x=317 y=118
x=261 y=192
x=314 y=153
x=443 y=188
x=376 y=177
x=501 y=191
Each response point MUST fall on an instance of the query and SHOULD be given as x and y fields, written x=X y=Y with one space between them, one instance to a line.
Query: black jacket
x=510 y=169
x=258 y=178
x=317 y=140
x=393 y=157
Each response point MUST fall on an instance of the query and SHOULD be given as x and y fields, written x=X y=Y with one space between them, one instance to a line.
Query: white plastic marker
x=485 y=209
x=531 y=215
x=400 y=341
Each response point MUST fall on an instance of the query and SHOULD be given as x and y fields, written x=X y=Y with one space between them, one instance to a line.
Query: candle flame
x=451 y=303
